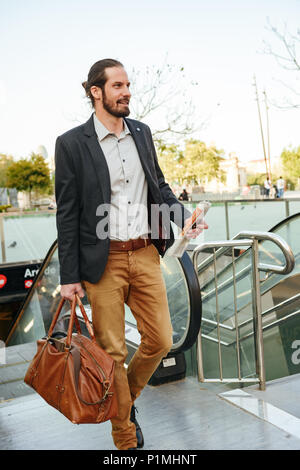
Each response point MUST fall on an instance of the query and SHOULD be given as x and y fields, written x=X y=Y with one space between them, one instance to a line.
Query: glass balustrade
x=26 y=237
x=275 y=289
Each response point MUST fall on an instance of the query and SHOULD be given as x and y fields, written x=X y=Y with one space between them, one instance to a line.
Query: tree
x=29 y=175
x=256 y=179
x=5 y=162
x=161 y=95
x=171 y=162
x=201 y=164
x=197 y=164
x=291 y=162
x=287 y=56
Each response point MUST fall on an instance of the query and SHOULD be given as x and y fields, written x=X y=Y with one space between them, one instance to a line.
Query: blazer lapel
x=139 y=139
x=99 y=159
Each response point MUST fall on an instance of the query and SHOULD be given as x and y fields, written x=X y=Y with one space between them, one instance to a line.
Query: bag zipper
x=99 y=367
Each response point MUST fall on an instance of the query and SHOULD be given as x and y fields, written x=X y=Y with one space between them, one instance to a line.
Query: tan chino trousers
x=134 y=278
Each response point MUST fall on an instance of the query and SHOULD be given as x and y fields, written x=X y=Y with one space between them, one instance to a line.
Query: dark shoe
x=139 y=434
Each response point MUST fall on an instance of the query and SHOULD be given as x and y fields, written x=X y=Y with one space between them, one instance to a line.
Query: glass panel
x=294 y=207
x=258 y=216
x=242 y=215
x=215 y=219
x=226 y=304
x=28 y=236
x=275 y=288
x=269 y=253
x=38 y=313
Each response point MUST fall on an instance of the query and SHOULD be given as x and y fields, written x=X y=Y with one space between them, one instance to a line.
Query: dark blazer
x=82 y=183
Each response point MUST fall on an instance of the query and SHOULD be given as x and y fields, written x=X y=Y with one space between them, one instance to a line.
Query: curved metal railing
x=251 y=240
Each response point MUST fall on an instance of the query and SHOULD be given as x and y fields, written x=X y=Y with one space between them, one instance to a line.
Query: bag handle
x=73 y=318
x=76 y=300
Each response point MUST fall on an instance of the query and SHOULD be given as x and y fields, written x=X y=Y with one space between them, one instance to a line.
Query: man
x=280 y=187
x=183 y=196
x=107 y=181
x=267 y=187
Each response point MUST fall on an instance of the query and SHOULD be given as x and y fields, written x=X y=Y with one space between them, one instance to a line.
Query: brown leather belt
x=129 y=245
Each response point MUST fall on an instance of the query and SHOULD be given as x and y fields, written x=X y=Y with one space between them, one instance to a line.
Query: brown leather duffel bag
x=73 y=374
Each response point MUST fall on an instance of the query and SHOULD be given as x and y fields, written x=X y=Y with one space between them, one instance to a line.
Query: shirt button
x=123 y=159
x=127 y=181
x=129 y=202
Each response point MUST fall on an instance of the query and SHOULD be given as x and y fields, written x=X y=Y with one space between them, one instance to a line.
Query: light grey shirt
x=129 y=188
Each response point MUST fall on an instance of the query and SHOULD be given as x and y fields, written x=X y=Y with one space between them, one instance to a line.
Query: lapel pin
x=138 y=129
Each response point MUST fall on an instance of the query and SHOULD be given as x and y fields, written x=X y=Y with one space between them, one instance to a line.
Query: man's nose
x=126 y=92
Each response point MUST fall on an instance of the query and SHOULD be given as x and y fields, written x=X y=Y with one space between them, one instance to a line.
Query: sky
x=47 y=48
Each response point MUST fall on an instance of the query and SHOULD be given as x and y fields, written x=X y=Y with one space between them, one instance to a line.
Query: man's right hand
x=67 y=291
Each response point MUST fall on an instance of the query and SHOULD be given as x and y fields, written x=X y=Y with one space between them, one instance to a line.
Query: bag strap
x=75 y=352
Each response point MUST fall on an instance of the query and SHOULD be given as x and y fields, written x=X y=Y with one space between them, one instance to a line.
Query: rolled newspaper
x=179 y=246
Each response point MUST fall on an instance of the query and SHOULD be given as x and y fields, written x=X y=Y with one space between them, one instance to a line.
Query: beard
x=113 y=108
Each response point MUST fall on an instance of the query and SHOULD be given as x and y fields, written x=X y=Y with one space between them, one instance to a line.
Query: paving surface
x=181 y=415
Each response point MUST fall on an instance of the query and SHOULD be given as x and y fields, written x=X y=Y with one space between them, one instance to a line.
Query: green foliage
x=291 y=162
x=256 y=178
x=196 y=164
x=202 y=163
x=4 y=207
x=170 y=160
x=5 y=162
x=29 y=175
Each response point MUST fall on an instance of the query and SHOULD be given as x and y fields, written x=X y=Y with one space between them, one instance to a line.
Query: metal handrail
x=280 y=242
x=248 y=335
x=250 y=239
x=270 y=325
x=225 y=245
x=282 y=304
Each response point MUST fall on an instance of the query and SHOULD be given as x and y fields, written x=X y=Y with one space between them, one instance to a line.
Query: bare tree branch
x=287 y=57
x=163 y=92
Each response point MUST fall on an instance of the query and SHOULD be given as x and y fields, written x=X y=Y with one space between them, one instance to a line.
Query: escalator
x=189 y=309
x=183 y=293
x=280 y=309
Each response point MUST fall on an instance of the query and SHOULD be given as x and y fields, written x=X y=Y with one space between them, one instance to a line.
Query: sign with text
x=17 y=278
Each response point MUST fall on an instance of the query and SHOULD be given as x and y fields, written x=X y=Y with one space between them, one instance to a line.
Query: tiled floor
x=184 y=415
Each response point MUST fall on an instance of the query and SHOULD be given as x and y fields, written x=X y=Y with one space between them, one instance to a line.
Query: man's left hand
x=195 y=232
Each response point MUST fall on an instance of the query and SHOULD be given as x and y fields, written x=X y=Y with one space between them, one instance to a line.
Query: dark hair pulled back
x=97 y=76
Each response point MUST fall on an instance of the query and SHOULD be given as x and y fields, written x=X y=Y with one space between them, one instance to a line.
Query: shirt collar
x=103 y=132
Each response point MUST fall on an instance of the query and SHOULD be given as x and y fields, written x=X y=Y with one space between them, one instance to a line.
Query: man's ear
x=96 y=92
